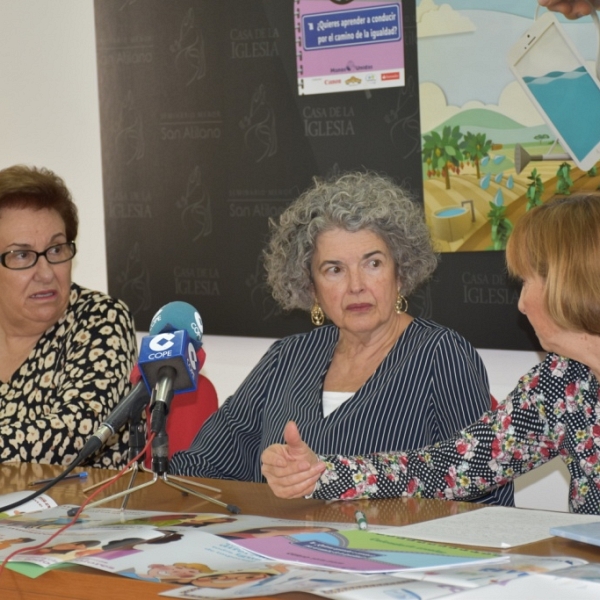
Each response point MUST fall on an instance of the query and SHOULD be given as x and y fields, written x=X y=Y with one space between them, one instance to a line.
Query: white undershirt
x=333 y=400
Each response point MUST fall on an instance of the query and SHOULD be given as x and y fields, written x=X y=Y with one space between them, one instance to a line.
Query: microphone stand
x=160 y=463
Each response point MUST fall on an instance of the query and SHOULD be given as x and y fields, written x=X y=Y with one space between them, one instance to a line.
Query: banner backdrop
x=204 y=138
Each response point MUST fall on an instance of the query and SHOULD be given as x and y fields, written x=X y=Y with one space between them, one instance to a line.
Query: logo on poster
x=130 y=205
x=129 y=136
x=123 y=50
x=487 y=288
x=196 y=281
x=188 y=48
x=196 y=213
x=257 y=42
x=331 y=121
x=190 y=125
x=353 y=80
x=259 y=203
x=403 y=120
x=260 y=134
x=134 y=279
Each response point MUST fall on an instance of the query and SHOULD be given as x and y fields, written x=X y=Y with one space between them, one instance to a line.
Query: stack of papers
x=493 y=527
x=225 y=556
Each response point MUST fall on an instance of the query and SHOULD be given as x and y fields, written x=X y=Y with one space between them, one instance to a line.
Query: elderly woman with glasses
x=65 y=351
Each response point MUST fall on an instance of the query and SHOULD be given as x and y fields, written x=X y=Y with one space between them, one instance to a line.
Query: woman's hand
x=572 y=9
x=291 y=469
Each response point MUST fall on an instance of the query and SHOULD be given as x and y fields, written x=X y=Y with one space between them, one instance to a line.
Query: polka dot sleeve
x=553 y=411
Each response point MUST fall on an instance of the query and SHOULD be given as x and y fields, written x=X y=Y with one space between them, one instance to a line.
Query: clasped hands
x=291 y=469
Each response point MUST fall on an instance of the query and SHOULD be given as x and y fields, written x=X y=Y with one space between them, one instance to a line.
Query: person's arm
x=500 y=446
x=107 y=355
x=460 y=396
x=227 y=445
x=88 y=366
x=572 y=9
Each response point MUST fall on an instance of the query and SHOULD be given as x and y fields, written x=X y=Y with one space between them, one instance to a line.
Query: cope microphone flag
x=169 y=353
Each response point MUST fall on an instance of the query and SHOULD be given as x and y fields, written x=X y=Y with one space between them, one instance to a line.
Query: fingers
x=291 y=469
x=297 y=449
x=293 y=485
x=572 y=9
x=291 y=435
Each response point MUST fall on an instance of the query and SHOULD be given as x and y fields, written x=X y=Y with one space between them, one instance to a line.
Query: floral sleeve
x=552 y=411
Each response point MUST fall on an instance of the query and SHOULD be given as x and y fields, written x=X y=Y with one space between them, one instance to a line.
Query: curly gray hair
x=352 y=202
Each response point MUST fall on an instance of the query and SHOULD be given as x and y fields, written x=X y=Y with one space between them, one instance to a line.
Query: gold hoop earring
x=401 y=305
x=317 y=316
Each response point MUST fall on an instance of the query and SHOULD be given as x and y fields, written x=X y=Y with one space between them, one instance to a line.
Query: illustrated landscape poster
x=482 y=136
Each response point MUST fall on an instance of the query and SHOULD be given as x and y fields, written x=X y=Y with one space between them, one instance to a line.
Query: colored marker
x=81 y=475
x=361 y=520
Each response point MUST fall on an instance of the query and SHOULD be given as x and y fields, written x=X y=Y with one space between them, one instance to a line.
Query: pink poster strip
x=343 y=50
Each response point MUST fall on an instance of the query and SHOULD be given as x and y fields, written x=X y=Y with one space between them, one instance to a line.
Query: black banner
x=204 y=137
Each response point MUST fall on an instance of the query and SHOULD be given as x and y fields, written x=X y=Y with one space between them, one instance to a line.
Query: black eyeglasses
x=18 y=260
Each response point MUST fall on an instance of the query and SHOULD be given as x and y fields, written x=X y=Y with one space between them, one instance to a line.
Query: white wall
x=49 y=117
x=49 y=109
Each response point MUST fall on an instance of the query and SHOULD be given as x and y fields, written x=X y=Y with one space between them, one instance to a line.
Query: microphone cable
x=73 y=512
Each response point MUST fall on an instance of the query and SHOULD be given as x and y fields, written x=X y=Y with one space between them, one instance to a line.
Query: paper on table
x=42 y=502
x=361 y=551
x=547 y=587
x=491 y=527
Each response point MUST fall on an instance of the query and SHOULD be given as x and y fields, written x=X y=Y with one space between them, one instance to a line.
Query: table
x=82 y=583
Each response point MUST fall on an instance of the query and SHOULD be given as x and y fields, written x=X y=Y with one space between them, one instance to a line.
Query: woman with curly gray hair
x=349 y=250
x=354 y=202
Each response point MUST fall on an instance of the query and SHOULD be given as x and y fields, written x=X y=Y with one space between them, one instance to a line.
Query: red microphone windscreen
x=136 y=375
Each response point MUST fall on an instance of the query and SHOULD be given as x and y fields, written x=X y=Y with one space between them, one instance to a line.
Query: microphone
x=128 y=407
x=177 y=316
x=170 y=363
x=172 y=316
x=168 y=355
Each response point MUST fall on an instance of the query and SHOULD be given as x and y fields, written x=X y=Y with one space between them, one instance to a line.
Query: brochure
x=363 y=551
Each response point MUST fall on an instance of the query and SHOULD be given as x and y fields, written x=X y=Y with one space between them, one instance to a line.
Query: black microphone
x=170 y=361
x=130 y=406
x=172 y=316
x=170 y=356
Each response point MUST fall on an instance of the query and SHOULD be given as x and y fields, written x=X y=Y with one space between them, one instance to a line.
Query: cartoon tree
x=534 y=190
x=541 y=137
x=476 y=147
x=501 y=226
x=593 y=171
x=564 y=181
x=442 y=153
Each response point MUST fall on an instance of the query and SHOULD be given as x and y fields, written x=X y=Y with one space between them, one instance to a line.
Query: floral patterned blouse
x=74 y=376
x=553 y=411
